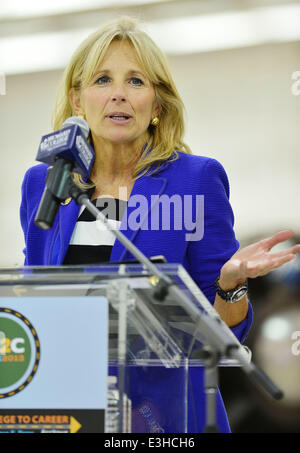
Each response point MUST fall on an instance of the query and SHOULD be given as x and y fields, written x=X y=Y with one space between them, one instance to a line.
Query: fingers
x=259 y=262
x=293 y=250
x=281 y=236
x=280 y=261
x=251 y=269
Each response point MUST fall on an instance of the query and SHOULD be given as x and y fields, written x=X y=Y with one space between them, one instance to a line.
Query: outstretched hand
x=256 y=260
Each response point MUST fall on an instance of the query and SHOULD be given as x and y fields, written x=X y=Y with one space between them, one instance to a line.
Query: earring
x=155 y=121
x=82 y=115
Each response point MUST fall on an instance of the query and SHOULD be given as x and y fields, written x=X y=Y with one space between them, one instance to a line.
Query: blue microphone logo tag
x=85 y=153
x=53 y=141
x=68 y=143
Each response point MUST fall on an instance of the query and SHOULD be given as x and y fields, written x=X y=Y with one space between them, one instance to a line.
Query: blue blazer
x=188 y=176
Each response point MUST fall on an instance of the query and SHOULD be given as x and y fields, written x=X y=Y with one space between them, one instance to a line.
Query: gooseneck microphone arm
x=219 y=340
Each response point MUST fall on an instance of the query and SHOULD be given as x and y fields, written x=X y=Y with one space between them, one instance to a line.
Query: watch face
x=239 y=294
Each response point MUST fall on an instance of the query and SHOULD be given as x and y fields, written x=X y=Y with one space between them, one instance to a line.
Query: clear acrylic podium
x=151 y=345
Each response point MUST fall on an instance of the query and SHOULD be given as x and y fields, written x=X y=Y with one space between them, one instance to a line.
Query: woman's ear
x=157 y=108
x=156 y=111
x=74 y=96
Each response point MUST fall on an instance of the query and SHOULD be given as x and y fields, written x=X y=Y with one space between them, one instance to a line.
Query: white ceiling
x=40 y=36
x=12 y=9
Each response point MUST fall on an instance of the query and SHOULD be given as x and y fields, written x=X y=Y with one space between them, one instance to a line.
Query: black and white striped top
x=92 y=241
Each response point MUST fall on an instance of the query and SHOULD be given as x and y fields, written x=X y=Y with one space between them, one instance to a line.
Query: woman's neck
x=115 y=161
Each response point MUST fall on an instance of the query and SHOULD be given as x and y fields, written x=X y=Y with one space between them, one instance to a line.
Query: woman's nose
x=118 y=93
x=118 y=98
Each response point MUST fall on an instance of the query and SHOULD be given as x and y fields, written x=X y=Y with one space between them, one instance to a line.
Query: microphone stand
x=218 y=339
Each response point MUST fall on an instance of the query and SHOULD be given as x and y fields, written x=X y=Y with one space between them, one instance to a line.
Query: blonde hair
x=165 y=139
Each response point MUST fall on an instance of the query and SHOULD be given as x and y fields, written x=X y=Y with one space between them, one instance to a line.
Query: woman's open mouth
x=119 y=117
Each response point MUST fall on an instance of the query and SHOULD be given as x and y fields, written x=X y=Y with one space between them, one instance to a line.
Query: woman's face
x=120 y=101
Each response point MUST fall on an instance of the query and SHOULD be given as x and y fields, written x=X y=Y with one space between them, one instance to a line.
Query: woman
x=119 y=81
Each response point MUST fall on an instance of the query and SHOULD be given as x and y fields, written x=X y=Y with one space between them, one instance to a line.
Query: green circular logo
x=19 y=352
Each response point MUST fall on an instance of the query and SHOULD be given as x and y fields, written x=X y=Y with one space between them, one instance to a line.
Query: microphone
x=66 y=150
x=70 y=142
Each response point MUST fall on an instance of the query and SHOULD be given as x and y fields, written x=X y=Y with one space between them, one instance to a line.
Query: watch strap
x=233 y=295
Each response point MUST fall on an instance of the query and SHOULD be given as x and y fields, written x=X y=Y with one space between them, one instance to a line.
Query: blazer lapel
x=142 y=190
x=68 y=215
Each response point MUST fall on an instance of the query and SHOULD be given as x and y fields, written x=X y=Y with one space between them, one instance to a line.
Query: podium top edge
x=91 y=268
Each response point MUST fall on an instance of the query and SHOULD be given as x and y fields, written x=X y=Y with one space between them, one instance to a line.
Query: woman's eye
x=136 y=81
x=102 y=80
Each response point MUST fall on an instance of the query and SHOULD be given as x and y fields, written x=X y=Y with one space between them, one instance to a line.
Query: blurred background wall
x=237 y=67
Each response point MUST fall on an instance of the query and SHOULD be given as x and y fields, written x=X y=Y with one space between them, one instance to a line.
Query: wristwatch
x=234 y=295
